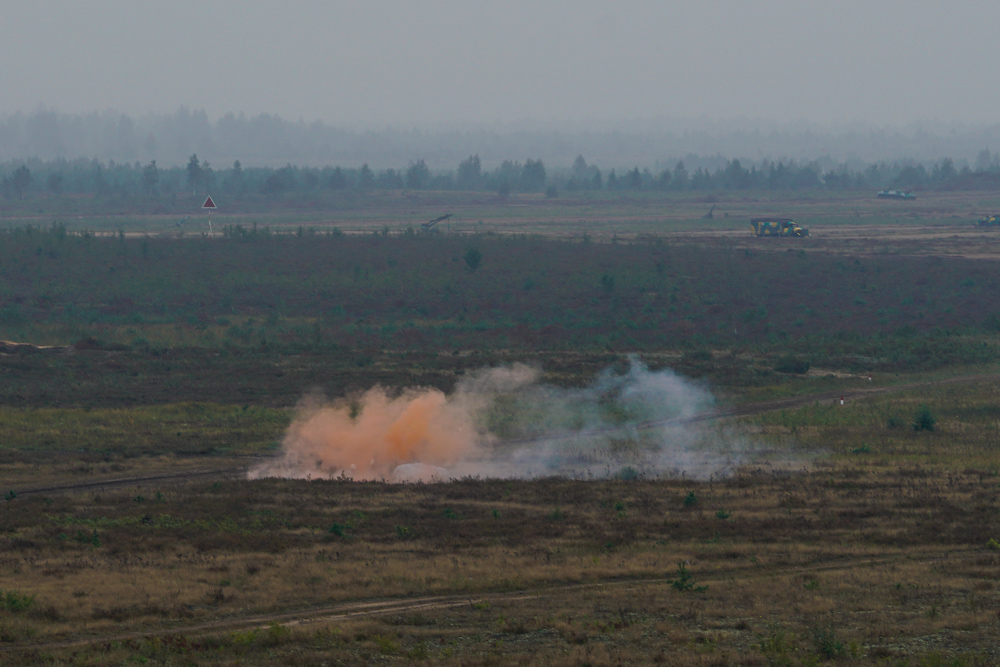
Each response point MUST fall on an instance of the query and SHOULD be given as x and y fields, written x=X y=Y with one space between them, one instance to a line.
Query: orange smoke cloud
x=503 y=422
x=419 y=426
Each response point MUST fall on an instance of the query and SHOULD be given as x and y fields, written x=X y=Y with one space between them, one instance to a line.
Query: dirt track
x=370 y=608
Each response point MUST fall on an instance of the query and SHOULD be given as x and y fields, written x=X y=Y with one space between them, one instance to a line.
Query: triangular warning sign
x=208 y=203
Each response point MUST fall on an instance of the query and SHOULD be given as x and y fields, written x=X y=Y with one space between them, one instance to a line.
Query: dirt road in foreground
x=345 y=611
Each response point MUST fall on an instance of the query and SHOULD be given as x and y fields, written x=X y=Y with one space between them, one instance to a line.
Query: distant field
x=332 y=292
x=569 y=214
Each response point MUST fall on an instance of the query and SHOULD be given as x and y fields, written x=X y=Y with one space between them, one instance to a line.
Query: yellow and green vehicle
x=777 y=227
x=989 y=221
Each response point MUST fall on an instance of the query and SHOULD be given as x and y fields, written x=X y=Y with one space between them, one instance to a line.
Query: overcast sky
x=379 y=62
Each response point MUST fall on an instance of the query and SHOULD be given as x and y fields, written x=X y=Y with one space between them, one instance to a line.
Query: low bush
x=924 y=419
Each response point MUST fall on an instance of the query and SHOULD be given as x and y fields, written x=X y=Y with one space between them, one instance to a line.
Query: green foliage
x=21 y=180
x=924 y=419
x=418 y=175
x=15 y=602
x=171 y=294
x=826 y=644
x=722 y=514
x=184 y=429
x=92 y=539
x=792 y=364
x=993 y=545
x=473 y=258
x=418 y=652
x=690 y=500
x=275 y=634
x=627 y=474
x=778 y=642
x=685 y=580
x=386 y=645
x=533 y=176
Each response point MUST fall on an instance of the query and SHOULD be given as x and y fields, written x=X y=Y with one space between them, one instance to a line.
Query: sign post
x=209 y=204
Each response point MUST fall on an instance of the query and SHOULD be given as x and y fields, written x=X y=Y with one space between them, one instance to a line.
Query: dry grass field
x=851 y=538
x=866 y=533
x=599 y=214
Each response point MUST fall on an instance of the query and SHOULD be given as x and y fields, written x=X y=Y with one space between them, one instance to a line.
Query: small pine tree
x=473 y=258
x=924 y=420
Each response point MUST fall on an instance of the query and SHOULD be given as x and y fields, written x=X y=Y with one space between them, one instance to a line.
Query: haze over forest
x=388 y=83
x=269 y=140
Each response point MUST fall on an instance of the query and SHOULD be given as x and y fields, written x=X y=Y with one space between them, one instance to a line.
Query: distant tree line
x=267 y=139
x=199 y=177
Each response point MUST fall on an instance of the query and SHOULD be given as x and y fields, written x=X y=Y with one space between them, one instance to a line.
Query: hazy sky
x=379 y=62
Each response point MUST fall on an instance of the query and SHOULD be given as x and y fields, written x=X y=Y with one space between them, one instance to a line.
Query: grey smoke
x=504 y=422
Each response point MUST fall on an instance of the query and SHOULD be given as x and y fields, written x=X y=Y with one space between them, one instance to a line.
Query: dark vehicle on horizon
x=896 y=194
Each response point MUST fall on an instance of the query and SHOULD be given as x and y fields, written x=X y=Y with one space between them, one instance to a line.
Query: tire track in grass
x=374 y=608
x=127 y=481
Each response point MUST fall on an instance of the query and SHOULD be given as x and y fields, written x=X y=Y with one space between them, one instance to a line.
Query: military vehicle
x=896 y=194
x=777 y=227
x=989 y=221
x=431 y=223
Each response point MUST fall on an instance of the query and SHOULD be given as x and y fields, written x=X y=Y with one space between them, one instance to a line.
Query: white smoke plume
x=503 y=422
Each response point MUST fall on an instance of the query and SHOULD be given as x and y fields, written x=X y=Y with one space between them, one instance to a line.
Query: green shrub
x=826 y=644
x=418 y=652
x=792 y=364
x=386 y=645
x=685 y=581
x=777 y=642
x=924 y=420
x=14 y=601
x=473 y=258
x=627 y=474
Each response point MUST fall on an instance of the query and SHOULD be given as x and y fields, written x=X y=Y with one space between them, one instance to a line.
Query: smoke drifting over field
x=504 y=422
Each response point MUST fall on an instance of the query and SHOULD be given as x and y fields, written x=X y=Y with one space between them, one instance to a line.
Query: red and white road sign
x=208 y=203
